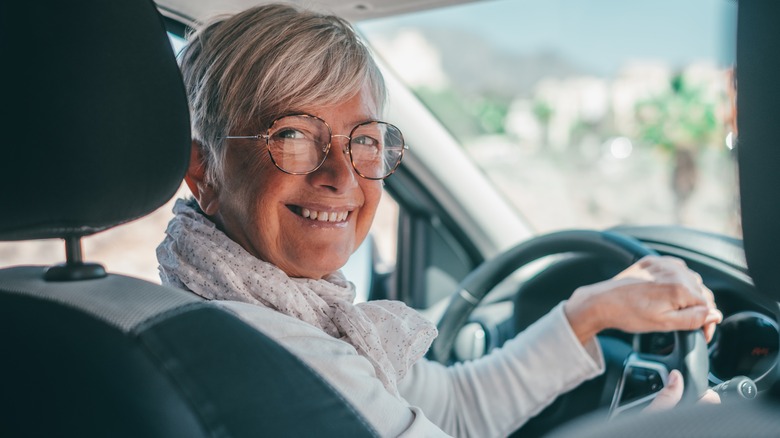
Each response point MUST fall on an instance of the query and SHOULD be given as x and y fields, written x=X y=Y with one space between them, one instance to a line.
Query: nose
x=336 y=172
x=333 y=141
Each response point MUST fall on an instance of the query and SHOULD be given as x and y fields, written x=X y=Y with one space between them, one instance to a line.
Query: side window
x=443 y=261
x=177 y=42
x=410 y=255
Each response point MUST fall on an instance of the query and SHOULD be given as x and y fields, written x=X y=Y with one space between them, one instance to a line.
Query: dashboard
x=746 y=343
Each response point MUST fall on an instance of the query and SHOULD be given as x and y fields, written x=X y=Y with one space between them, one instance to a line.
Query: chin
x=330 y=268
x=317 y=269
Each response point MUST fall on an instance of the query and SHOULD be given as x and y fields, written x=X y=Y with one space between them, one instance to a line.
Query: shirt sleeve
x=495 y=395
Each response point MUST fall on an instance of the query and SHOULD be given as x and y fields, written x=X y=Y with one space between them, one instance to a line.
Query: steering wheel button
x=640 y=382
x=748 y=389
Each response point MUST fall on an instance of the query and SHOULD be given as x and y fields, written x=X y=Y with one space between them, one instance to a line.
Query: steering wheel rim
x=686 y=356
x=476 y=285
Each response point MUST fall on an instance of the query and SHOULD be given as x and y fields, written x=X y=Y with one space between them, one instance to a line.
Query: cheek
x=265 y=201
x=244 y=169
x=246 y=192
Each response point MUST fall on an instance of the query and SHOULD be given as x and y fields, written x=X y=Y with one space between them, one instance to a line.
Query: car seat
x=96 y=133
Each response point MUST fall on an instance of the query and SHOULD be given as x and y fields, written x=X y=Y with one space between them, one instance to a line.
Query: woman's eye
x=364 y=140
x=289 y=133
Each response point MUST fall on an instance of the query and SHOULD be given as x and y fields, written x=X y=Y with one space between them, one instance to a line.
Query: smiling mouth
x=321 y=216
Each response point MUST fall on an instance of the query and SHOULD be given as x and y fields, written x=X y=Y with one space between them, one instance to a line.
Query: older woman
x=287 y=162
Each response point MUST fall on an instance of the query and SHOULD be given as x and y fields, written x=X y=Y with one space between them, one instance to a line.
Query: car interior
x=89 y=352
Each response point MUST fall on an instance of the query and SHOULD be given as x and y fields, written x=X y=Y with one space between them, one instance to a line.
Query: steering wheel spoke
x=639 y=384
x=646 y=371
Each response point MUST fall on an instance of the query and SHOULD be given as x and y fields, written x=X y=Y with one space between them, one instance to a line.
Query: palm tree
x=680 y=121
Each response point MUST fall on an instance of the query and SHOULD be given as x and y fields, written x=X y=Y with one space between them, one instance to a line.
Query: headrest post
x=74 y=269
x=73 y=254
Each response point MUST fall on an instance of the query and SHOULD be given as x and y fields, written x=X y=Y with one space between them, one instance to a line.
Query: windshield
x=584 y=114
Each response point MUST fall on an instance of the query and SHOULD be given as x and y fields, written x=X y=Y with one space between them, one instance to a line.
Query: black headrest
x=95 y=130
x=758 y=94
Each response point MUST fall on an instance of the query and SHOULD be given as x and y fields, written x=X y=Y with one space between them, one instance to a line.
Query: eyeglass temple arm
x=256 y=137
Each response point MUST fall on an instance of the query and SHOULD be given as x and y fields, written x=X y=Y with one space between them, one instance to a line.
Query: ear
x=203 y=190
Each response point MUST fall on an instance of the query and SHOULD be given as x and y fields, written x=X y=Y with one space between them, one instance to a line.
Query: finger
x=674 y=260
x=661 y=267
x=698 y=285
x=710 y=397
x=647 y=261
x=714 y=317
x=681 y=295
x=693 y=280
x=710 y=297
x=670 y=395
x=709 y=331
x=667 y=267
x=689 y=318
x=657 y=265
x=637 y=270
x=700 y=282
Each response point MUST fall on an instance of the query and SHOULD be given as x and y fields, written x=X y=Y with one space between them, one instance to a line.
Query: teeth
x=324 y=216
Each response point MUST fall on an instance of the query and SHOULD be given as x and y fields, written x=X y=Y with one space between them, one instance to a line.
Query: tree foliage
x=683 y=116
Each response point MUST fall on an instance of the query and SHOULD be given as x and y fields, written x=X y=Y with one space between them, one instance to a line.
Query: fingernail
x=714 y=315
x=674 y=376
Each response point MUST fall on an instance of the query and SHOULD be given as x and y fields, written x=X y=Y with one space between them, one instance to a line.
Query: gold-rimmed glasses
x=299 y=143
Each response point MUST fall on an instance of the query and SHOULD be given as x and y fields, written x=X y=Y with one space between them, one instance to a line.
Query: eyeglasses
x=298 y=144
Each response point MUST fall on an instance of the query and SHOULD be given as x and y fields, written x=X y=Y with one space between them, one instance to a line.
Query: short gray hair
x=247 y=69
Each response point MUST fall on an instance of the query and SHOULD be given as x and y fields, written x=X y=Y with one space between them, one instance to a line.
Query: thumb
x=670 y=395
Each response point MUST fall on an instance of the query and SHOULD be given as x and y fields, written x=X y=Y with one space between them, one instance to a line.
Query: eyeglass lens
x=298 y=145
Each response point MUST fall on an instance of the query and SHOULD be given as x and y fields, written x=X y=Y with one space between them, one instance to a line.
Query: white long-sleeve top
x=488 y=397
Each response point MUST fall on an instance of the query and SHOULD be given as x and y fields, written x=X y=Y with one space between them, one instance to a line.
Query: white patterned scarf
x=197 y=256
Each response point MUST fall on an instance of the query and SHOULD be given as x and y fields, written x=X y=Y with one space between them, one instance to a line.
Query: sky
x=598 y=34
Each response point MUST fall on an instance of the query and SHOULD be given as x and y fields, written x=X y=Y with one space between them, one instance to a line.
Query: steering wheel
x=643 y=372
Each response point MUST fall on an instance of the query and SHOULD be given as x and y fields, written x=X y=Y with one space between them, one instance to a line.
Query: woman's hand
x=657 y=293
x=672 y=393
